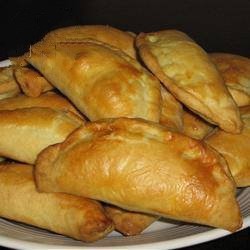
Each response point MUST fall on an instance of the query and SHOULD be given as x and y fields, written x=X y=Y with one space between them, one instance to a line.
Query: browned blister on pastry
x=189 y=74
x=31 y=82
x=8 y=84
x=141 y=166
x=101 y=81
x=171 y=111
x=129 y=223
x=26 y=132
x=235 y=71
x=235 y=149
x=73 y=216
x=194 y=126
x=46 y=100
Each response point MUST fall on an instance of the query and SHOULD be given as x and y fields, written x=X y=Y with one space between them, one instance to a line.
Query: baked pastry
x=171 y=111
x=31 y=82
x=235 y=149
x=46 y=100
x=141 y=166
x=103 y=33
x=8 y=85
x=26 y=132
x=189 y=74
x=194 y=126
x=101 y=81
x=235 y=71
x=77 y=217
x=129 y=223
x=76 y=34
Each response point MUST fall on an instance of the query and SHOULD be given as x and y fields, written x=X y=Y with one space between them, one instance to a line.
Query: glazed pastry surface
x=189 y=74
x=76 y=217
x=31 y=82
x=46 y=100
x=235 y=71
x=101 y=81
x=235 y=149
x=171 y=111
x=26 y=132
x=141 y=166
x=129 y=223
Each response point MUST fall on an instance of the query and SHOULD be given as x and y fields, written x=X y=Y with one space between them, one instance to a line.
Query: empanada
x=141 y=166
x=46 y=100
x=129 y=223
x=26 y=132
x=171 y=111
x=194 y=126
x=77 y=217
x=101 y=81
x=31 y=82
x=103 y=33
x=189 y=74
x=235 y=71
x=76 y=34
x=8 y=85
x=235 y=149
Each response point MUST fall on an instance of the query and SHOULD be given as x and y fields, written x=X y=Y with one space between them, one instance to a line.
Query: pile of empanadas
x=103 y=130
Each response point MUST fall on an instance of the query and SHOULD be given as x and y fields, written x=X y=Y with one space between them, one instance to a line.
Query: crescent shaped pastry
x=76 y=217
x=189 y=74
x=129 y=223
x=46 y=100
x=103 y=33
x=101 y=81
x=235 y=71
x=26 y=132
x=31 y=82
x=142 y=167
x=235 y=149
x=194 y=126
x=171 y=111
x=72 y=34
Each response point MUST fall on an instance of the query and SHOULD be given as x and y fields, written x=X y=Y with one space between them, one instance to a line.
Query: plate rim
x=186 y=241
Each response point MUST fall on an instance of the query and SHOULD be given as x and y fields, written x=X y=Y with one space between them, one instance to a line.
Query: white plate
x=160 y=235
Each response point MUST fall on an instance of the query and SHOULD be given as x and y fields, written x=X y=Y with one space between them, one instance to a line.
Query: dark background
x=218 y=26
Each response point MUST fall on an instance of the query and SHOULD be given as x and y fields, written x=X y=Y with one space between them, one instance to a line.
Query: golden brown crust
x=235 y=71
x=194 y=126
x=76 y=34
x=129 y=223
x=101 y=81
x=8 y=85
x=46 y=100
x=187 y=72
x=31 y=82
x=141 y=166
x=79 y=218
x=26 y=132
x=171 y=111
x=103 y=33
x=235 y=149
